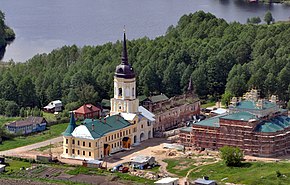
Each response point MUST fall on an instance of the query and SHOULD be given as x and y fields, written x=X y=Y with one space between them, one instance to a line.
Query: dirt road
x=21 y=150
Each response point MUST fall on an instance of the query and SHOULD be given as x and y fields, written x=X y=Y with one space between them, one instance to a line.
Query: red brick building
x=258 y=127
x=87 y=111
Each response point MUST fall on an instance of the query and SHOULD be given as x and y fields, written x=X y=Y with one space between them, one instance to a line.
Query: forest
x=224 y=59
x=7 y=35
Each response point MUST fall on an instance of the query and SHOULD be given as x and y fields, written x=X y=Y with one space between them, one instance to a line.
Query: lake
x=43 y=25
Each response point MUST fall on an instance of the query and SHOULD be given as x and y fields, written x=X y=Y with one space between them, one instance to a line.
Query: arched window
x=120 y=91
x=133 y=92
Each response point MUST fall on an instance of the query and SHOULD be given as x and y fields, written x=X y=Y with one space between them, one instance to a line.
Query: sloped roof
x=128 y=116
x=71 y=126
x=53 y=104
x=87 y=108
x=158 y=98
x=106 y=103
x=146 y=113
x=28 y=121
x=102 y=126
x=142 y=98
x=273 y=125
x=211 y=122
x=247 y=104
x=242 y=116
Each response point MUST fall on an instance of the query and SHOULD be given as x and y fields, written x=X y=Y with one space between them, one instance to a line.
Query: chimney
x=93 y=127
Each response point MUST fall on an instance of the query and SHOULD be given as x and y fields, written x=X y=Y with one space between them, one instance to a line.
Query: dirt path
x=22 y=150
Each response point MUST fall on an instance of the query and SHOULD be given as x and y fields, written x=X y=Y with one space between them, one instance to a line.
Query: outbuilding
x=167 y=181
x=2 y=168
x=142 y=161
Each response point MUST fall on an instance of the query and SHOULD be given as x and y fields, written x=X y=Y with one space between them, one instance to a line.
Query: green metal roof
x=142 y=98
x=273 y=125
x=105 y=125
x=211 y=122
x=71 y=126
x=158 y=98
x=106 y=103
x=252 y=105
x=186 y=129
x=243 y=116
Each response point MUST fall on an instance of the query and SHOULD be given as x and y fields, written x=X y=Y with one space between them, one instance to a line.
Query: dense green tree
x=254 y=20
x=232 y=156
x=26 y=93
x=12 y=109
x=268 y=17
x=8 y=88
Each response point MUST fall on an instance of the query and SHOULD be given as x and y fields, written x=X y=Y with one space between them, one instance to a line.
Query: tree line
x=221 y=57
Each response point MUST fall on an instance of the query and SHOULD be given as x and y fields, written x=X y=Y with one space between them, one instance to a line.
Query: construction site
x=258 y=126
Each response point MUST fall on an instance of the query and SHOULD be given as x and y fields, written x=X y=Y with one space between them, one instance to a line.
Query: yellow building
x=127 y=125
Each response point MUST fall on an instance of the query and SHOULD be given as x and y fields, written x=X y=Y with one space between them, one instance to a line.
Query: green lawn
x=180 y=166
x=209 y=104
x=253 y=173
x=52 y=132
x=15 y=165
x=49 y=117
x=4 y=119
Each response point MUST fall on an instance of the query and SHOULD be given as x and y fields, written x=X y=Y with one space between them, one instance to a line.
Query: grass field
x=209 y=104
x=15 y=165
x=253 y=173
x=52 y=132
x=180 y=166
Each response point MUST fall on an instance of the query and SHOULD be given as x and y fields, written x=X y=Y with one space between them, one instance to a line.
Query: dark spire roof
x=71 y=126
x=124 y=70
x=124 y=52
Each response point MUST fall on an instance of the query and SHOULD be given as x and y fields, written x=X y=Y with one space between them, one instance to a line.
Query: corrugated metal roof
x=242 y=116
x=273 y=125
x=146 y=113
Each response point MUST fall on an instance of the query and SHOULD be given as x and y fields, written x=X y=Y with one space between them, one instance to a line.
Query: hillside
x=218 y=55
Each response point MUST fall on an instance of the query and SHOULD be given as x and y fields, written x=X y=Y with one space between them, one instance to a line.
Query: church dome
x=124 y=71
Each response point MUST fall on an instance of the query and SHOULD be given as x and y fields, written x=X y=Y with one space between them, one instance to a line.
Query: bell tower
x=124 y=100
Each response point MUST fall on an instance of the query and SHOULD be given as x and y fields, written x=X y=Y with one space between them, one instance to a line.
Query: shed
x=201 y=181
x=167 y=181
x=54 y=106
x=142 y=161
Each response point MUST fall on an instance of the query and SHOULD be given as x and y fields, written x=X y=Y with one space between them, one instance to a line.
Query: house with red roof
x=87 y=111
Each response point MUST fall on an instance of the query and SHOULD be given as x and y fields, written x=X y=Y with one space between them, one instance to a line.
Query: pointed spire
x=189 y=88
x=124 y=53
x=71 y=126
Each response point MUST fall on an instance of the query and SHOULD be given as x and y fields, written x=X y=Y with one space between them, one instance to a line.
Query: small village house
x=87 y=111
x=54 y=106
x=27 y=126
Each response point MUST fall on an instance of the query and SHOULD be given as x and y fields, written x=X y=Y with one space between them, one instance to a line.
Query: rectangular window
x=115 y=145
x=78 y=143
x=115 y=136
x=78 y=152
x=121 y=134
x=106 y=138
x=66 y=150
x=84 y=153
x=141 y=126
x=73 y=151
x=89 y=144
x=96 y=144
x=112 y=146
x=129 y=131
x=118 y=135
x=66 y=141
x=126 y=132
x=111 y=137
x=84 y=143
x=89 y=153
x=73 y=141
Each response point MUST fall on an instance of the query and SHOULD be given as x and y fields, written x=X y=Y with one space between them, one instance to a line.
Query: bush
x=231 y=155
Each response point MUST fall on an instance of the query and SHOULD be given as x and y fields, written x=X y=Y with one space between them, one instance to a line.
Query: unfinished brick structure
x=258 y=127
